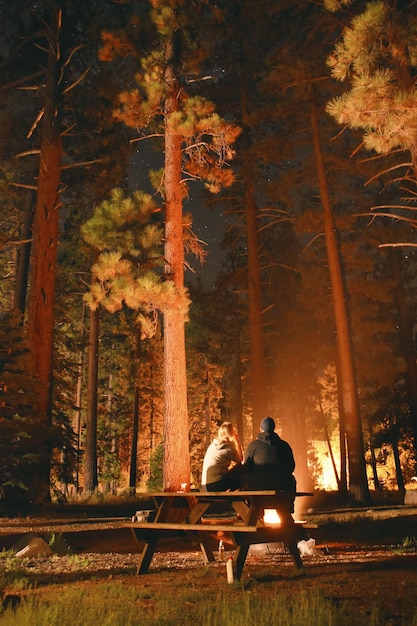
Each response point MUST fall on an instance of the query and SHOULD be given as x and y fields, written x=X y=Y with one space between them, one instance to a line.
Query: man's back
x=269 y=463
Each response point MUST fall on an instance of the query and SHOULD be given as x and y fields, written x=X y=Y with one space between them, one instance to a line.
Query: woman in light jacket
x=222 y=465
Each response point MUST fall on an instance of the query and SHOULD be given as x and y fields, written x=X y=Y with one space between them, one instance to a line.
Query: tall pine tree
x=197 y=143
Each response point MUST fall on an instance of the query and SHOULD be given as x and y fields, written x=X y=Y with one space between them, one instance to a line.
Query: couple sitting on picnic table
x=268 y=462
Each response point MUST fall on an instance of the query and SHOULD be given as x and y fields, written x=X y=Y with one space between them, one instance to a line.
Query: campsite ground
x=366 y=558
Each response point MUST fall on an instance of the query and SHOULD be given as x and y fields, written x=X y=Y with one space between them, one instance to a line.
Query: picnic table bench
x=176 y=513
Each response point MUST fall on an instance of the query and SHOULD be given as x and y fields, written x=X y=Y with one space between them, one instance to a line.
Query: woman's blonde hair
x=226 y=432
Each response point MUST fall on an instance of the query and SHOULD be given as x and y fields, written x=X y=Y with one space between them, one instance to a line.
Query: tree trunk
x=176 y=443
x=343 y=488
x=295 y=426
x=257 y=353
x=256 y=339
x=45 y=228
x=377 y=484
x=78 y=402
x=329 y=446
x=110 y=440
x=398 y=470
x=152 y=438
x=135 y=420
x=358 y=483
x=237 y=376
x=23 y=258
x=207 y=416
x=45 y=238
x=90 y=452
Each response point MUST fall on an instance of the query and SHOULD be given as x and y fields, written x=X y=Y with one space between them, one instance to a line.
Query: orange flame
x=271 y=517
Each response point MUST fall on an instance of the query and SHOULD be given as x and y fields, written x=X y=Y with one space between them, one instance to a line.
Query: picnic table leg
x=292 y=538
x=241 y=509
x=147 y=554
x=197 y=512
x=163 y=509
x=208 y=555
x=239 y=560
x=295 y=553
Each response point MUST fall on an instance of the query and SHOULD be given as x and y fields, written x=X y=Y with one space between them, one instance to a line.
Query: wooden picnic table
x=189 y=512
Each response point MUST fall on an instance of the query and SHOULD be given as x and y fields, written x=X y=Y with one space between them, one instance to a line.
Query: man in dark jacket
x=269 y=463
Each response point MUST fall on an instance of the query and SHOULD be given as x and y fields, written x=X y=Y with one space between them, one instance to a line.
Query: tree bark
x=329 y=446
x=176 y=441
x=90 y=452
x=45 y=238
x=23 y=258
x=374 y=465
x=358 y=483
x=135 y=420
x=45 y=227
x=237 y=374
x=343 y=489
x=78 y=401
x=256 y=339
x=398 y=470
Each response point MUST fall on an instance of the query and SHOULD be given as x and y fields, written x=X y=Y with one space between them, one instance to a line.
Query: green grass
x=409 y=544
x=12 y=575
x=113 y=604
x=58 y=543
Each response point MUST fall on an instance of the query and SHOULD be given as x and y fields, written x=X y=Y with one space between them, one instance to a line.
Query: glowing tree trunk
x=176 y=442
x=45 y=238
x=358 y=484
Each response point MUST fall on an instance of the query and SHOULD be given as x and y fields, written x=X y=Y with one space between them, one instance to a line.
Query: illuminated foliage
x=129 y=236
x=378 y=56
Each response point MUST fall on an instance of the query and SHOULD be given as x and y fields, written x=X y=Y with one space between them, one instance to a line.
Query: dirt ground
x=365 y=574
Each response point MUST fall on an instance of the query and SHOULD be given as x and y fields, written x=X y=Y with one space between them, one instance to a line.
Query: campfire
x=271 y=517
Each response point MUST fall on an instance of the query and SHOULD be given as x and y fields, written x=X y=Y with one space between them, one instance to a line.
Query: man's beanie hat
x=268 y=424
